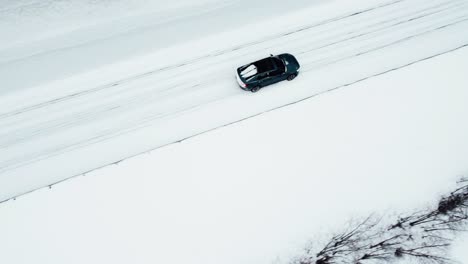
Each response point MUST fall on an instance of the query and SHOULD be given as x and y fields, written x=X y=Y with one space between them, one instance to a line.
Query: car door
x=274 y=77
x=263 y=79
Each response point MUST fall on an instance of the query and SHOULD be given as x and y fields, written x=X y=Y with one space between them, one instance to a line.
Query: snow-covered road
x=59 y=132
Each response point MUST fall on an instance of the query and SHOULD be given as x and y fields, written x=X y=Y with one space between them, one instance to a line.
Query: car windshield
x=280 y=65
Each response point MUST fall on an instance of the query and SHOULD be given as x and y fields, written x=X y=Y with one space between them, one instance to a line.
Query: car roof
x=265 y=65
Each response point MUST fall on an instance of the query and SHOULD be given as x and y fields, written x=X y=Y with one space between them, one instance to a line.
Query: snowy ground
x=460 y=252
x=51 y=39
x=379 y=125
x=54 y=130
x=256 y=191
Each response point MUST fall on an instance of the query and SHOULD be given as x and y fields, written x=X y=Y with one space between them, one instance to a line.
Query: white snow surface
x=54 y=39
x=258 y=190
x=84 y=96
x=375 y=122
x=460 y=252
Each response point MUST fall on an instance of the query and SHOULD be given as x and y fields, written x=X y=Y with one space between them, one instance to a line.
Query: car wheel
x=255 y=89
x=292 y=76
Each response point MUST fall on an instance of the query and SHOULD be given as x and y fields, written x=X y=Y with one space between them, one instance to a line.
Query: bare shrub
x=424 y=235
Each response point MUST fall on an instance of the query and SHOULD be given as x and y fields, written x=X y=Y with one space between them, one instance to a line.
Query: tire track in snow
x=184 y=63
x=15 y=137
x=246 y=118
x=63 y=125
x=138 y=124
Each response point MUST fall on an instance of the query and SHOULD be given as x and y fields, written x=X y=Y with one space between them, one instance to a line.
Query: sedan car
x=253 y=76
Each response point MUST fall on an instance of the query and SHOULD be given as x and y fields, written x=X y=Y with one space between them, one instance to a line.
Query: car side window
x=275 y=72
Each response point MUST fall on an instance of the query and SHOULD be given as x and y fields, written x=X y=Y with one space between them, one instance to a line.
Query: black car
x=255 y=75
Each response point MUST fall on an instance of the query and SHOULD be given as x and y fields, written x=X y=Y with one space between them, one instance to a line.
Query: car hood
x=292 y=65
